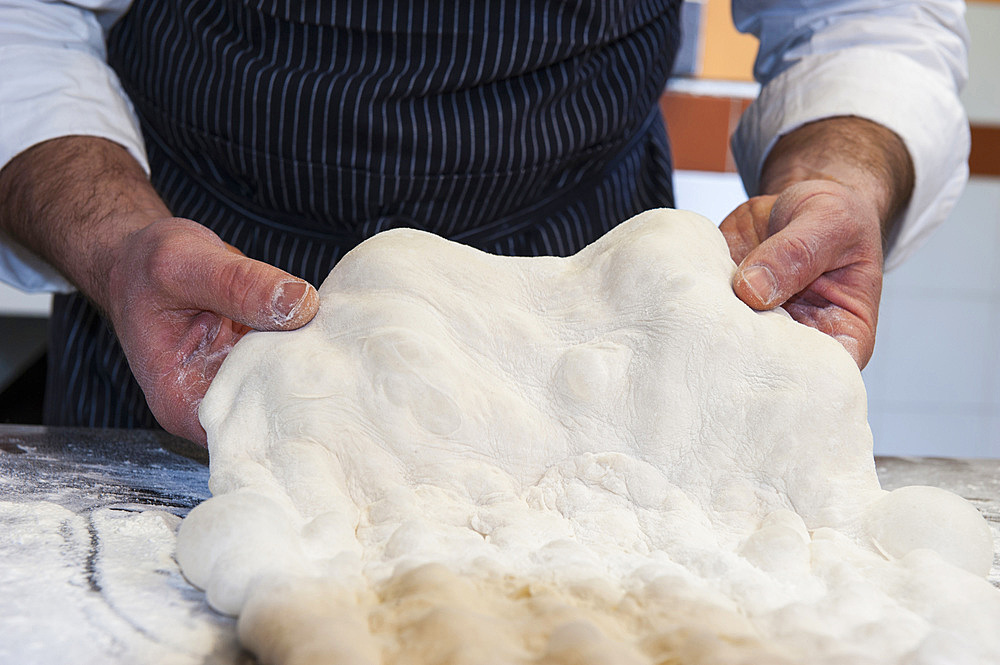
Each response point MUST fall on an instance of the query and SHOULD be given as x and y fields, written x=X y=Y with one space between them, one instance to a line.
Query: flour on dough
x=606 y=458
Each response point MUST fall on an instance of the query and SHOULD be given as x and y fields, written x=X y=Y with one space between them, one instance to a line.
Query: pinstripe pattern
x=296 y=130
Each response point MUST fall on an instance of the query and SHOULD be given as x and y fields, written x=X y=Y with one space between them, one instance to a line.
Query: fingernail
x=288 y=298
x=761 y=283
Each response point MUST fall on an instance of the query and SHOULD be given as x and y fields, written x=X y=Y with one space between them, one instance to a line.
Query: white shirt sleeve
x=56 y=83
x=899 y=64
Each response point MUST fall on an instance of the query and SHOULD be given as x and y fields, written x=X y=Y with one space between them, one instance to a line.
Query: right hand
x=819 y=245
x=179 y=298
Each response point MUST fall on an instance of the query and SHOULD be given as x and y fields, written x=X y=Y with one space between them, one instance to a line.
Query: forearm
x=72 y=201
x=854 y=152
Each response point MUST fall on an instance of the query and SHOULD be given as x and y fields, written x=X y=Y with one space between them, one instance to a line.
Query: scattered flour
x=604 y=459
x=99 y=587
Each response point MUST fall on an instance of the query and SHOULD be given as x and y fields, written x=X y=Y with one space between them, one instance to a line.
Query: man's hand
x=816 y=249
x=177 y=296
x=180 y=299
x=814 y=241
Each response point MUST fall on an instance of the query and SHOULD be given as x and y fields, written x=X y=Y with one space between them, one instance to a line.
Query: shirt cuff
x=919 y=105
x=47 y=93
x=27 y=272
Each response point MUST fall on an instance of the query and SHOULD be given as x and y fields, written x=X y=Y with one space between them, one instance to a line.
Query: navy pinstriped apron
x=296 y=129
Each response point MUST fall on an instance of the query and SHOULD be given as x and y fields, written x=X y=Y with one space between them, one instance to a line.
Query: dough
x=606 y=458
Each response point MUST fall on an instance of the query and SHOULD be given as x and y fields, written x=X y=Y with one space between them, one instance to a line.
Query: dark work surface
x=82 y=469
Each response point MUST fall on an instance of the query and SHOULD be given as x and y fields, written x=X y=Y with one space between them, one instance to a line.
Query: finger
x=737 y=229
x=790 y=260
x=257 y=294
x=218 y=279
x=746 y=226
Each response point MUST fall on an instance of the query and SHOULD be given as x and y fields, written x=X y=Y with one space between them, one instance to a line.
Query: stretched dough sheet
x=606 y=458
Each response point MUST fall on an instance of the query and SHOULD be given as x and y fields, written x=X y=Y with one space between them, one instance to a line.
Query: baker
x=179 y=172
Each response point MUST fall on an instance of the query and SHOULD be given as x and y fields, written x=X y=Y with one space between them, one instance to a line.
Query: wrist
x=861 y=155
x=74 y=201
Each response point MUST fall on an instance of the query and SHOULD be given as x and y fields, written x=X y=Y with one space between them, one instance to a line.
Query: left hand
x=179 y=298
x=816 y=249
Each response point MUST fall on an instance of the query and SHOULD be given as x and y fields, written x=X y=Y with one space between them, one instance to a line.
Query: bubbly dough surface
x=606 y=458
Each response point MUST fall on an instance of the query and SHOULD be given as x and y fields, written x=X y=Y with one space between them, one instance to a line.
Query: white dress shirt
x=900 y=65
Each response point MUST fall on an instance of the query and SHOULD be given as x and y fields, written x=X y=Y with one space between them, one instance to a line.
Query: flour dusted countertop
x=87 y=527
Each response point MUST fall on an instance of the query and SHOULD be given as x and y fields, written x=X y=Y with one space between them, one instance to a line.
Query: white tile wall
x=934 y=381
x=982 y=95
x=713 y=195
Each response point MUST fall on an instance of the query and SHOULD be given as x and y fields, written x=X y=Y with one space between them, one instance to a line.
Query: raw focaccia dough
x=606 y=458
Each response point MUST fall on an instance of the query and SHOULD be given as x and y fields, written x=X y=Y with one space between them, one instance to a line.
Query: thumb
x=247 y=291
x=786 y=263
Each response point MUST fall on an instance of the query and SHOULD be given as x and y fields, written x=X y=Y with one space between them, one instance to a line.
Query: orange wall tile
x=727 y=54
x=984 y=158
x=699 y=127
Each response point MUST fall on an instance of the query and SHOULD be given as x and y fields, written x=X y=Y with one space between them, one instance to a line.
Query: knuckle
x=245 y=283
x=165 y=251
x=161 y=264
x=760 y=207
x=163 y=259
x=799 y=252
x=234 y=279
